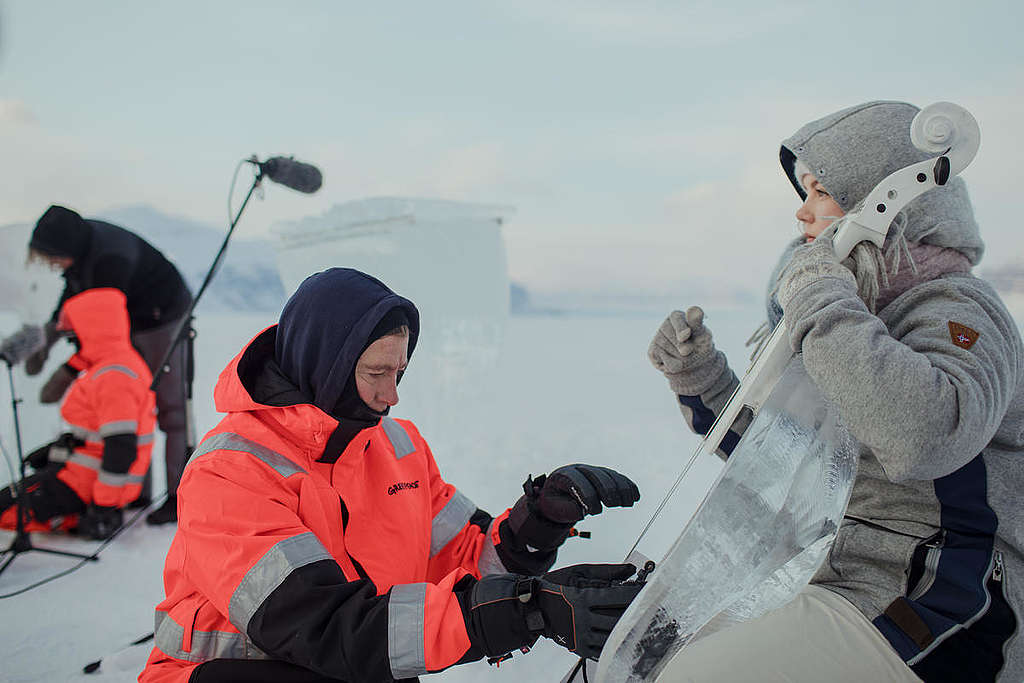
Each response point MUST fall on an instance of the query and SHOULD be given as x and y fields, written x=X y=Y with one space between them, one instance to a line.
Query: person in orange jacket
x=318 y=541
x=85 y=477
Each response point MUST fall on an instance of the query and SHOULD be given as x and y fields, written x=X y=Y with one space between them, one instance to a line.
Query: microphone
x=286 y=171
x=22 y=344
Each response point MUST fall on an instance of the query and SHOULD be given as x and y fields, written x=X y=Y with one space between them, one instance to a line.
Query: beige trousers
x=819 y=636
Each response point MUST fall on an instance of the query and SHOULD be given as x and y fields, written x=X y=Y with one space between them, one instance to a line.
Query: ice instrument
x=768 y=521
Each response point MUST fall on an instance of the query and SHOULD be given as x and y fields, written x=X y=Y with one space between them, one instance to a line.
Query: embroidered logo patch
x=962 y=336
x=403 y=485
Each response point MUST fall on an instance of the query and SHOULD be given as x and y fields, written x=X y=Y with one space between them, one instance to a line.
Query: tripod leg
x=64 y=553
x=62 y=496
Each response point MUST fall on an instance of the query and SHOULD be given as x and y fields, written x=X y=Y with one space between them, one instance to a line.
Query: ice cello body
x=757 y=538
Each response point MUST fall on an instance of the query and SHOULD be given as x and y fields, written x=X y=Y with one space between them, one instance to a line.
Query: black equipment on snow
x=286 y=171
x=93 y=667
x=22 y=542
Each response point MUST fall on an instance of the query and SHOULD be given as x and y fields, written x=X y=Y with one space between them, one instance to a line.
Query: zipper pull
x=937 y=541
x=997 y=569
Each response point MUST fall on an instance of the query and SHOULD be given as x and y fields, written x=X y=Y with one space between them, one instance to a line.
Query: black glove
x=543 y=517
x=99 y=522
x=57 y=451
x=582 y=603
x=58 y=384
x=574 y=491
x=39 y=458
x=577 y=607
x=35 y=362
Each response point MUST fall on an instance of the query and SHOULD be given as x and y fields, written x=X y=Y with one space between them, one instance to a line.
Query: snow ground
x=567 y=389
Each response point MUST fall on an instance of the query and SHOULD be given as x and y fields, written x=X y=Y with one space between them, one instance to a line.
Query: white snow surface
x=572 y=388
x=565 y=389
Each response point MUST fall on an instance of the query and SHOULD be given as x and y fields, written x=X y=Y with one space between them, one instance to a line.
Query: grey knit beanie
x=854 y=149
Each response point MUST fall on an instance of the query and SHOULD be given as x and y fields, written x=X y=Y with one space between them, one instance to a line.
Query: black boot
x=99 y=522
x=142 y=501
x=166 y=513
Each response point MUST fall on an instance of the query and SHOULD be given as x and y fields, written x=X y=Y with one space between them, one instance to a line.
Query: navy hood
x=327 y=324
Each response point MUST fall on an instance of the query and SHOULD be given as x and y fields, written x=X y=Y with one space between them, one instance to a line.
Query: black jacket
x=114 y=257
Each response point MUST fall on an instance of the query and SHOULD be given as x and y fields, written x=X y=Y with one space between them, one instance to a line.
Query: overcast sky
x=637 y=140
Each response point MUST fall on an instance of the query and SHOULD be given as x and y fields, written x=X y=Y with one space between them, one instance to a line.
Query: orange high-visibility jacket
x=346 y=567
x=109 y=406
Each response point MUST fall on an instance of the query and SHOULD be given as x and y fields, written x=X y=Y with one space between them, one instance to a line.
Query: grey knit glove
x=22 y=344
x=34 y=363
x=810 y=263
x=683 y=351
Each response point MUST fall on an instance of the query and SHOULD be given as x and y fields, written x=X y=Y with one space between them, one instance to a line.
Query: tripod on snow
x=22 y=542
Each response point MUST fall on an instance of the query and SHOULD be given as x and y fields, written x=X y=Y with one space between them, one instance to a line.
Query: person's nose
x=390 y=393
x=804 y=213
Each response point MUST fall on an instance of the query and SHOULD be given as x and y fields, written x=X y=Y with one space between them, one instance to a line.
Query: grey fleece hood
x=852 y=150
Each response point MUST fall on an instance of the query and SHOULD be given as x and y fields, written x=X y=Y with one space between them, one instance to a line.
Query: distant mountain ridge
x=1007 y=279
x=247 y=279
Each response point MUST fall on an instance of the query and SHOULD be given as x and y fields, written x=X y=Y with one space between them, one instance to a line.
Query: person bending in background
x=926 y=368
x=84 y=478
x=93 y=253
x=318 y=541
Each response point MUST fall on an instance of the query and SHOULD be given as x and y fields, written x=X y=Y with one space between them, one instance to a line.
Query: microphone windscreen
x=294 y=174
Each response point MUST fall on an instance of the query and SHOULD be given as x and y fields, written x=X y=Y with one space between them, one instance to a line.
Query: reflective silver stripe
x=58 y=454
x=85 y=461
x=272 y=569
x=117 y=368
x=118 y=427
x=206 y=645
x=400 y=440
x=228 y=441
x=84 y=434
x=489 y=562
x=449 y=521
x=405 y=630
x=111 y=479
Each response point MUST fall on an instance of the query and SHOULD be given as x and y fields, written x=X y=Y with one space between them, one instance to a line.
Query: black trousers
x=255 y=671
x=171 y=403
x=47 y=496
x=260 y=671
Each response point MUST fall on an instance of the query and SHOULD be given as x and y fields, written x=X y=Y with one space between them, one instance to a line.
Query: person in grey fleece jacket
x=926 y=368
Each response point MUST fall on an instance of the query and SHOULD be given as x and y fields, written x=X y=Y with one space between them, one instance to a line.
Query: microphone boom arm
x=186 y=332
